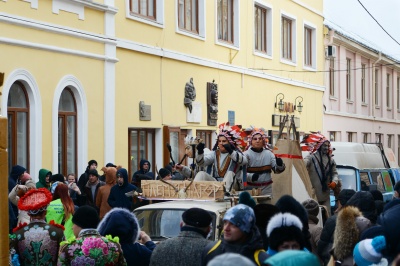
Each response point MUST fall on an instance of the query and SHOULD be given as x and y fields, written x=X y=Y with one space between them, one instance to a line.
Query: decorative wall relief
x=212 y=103
x=144 y=111
x=190 y=94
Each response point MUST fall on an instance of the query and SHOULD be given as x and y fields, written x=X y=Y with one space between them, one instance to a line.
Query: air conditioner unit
x=330 y=51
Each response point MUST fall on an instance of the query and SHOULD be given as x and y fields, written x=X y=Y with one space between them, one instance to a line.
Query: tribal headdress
x=233 y=134
x=252 y=131
x=35 y=200
x=313 y=141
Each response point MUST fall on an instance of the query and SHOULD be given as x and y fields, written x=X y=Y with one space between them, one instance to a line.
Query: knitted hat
x=241 y=216
x=93 y=172
x=111 y=165
x=92 y=162
x=311 y=206
x=247 y=199
x=57 y=177
x=368 y=252
x=197 y=217
x=35 y=200
x=292 y=257
x=164 y=172
x=284 y=227
x=228 y=259
x=53 y=186
x=86 y=217
x=345 y=194
x=17 y=171
x=122 y=223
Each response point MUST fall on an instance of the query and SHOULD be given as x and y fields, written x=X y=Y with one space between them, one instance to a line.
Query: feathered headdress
x=233 y=134
x=35 y=200
x=251 y=132
x=313 y=141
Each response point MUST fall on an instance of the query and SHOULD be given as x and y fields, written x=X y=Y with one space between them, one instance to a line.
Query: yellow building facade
x=106 y=80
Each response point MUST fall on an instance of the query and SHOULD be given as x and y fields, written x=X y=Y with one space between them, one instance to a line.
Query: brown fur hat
x=111 y=174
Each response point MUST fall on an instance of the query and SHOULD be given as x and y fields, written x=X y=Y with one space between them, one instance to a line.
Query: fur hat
x=228 y=259
x=311 y=207
x=86 y=217
x=197 y=217
x=247 y=199
x=292 y=257
x=368 y=252
x=344 y=195
x=241 y=216
x=164 y=172
x=122 y=223
x=284 y=227
x=35 y=200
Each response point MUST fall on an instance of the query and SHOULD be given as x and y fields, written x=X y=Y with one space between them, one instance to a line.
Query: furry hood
x=349 y=225
x=111 y=174
x=122 y=223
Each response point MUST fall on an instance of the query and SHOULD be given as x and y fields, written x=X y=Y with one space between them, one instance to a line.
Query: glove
x=255 y=177
x=228 y=148
x=200 y=148
x=279 y=161
x=332 y=185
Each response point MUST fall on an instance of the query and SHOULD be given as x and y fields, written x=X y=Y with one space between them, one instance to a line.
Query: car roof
x=212 y=206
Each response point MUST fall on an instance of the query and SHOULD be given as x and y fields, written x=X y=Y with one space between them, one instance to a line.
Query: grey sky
x=351 y=18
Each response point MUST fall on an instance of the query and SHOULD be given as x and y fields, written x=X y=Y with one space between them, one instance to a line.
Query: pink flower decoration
x=93 y=242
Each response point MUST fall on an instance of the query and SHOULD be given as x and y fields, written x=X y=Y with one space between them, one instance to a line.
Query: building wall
x=113 y=60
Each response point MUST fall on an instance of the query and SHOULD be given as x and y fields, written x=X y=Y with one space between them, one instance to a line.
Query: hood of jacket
x=16 y=171
x=365 y=202
x=349 y=225
x=111 y=175
x=143 y=161
x=122 y=223
x=42 y=176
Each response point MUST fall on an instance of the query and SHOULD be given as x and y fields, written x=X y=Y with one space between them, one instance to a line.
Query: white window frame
x=269 y=30
x=236 y=28
x=158 y=22
x=201 y=21
x=292 y=62
x=313 y=29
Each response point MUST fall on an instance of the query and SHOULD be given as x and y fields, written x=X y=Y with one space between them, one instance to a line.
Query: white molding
x=34 y=3
x=157 y=51
x=82 y=121
x=300 y=3
x=35 y=24
x=58 y=49
x=35 y=114
x=78 y=7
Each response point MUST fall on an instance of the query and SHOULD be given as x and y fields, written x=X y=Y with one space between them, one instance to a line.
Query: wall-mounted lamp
x=300 y=105
x=279 y=105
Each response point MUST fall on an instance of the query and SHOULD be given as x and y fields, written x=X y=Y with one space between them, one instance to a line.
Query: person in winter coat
x=241 y=236
x=16 y=172
x=89 y=192
x=186 y=248
x=24 y=184
x=144 y=169
x=44 y=179
x=349 y=226
x=315 y=230
x=61 y=209
x=104 y=191
x=117 y=197
x=83 y=179
x=123 y=224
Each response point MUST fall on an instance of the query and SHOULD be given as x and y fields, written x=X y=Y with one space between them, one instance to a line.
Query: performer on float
x=321 y=167
x=225 y=161
x=261 y=161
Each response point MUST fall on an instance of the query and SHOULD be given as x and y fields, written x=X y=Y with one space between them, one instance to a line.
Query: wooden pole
x=4 y=246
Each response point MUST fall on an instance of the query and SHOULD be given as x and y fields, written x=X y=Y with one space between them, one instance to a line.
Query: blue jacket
x=117 y=197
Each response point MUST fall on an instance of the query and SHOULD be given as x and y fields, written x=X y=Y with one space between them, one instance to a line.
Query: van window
x=348 y=178
x=377 y=180
x=387 y=181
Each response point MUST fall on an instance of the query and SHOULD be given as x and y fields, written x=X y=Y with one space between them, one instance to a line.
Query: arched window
x=67 y=133
x=18 y=125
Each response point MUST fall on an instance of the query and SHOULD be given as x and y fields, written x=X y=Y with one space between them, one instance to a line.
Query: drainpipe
x=373 y=84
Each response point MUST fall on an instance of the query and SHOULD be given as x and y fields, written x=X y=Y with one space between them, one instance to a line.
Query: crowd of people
x=89 y=221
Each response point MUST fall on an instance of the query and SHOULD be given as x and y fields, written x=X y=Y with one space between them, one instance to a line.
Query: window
x=348 y=79
x=388 y=90
x=260 y=29
x=287 y=38
x=67 y=143
x=365 y=137
x=332 y=77
x=390 y=141
x=145 y=8
x=376 y=87
x=228 y=22
x=332 y=136
x=309 y=46
x=205 y=135
x=188 y=15
x=141 y=145
x=351 y=137
x=378 y=138
x=18 y=126
x=175 y=137
x=398 y=93
x=363 y=83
